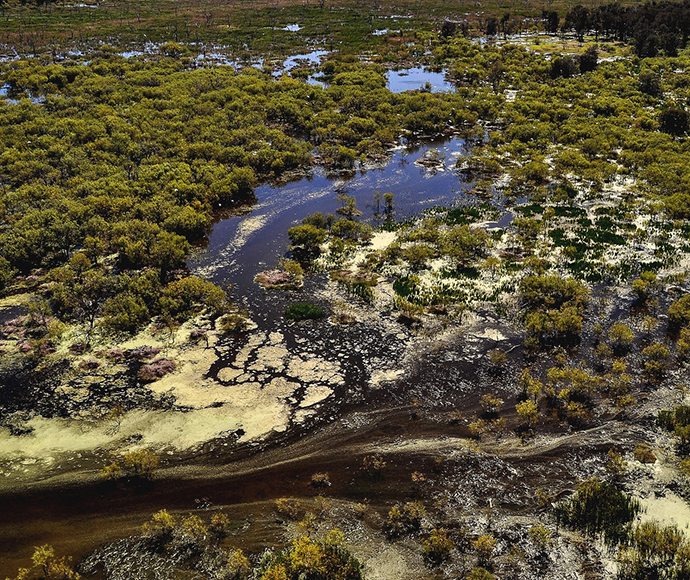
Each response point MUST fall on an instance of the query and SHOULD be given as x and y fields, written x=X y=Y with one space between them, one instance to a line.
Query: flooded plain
x=243 y=245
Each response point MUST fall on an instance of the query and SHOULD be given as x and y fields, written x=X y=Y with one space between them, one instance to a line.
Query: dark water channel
x=242 y=245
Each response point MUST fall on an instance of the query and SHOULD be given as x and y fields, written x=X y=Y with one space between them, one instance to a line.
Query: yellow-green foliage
x=437 y=547
x=47 y=566
x=307 y=558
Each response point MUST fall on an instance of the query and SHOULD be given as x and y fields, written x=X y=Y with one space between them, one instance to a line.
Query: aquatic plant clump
x=303 y=311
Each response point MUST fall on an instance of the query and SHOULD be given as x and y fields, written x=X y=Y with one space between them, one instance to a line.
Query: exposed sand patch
x=382 y=376
x=314 y=395
x=380 y=241
x=315 y=370
x=668 y=510
x=490 y=334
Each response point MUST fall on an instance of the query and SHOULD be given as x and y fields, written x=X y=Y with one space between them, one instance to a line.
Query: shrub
x=359 y=283
x=541 y=537
x=156 y=369
x=374 y=465
x=643 y=286
x=644 y=454
x=437 y=547
x=497 y=358
x=141 y=464
x=484 y=546
x=480 y=573
x=677 y=421
x=306 y=558
x=674 y=121
x=404 y=520
x=655 y=356
x=160 y=527
x=599 y=509
x=287 y=508
x=679 y=313
x=320 y=480
x=554 y=306
x=125 y=312
x=491 y=403
x=656 y=552
x=621 y=337
x=528 y=386
x=219 y=525
x=303 y=311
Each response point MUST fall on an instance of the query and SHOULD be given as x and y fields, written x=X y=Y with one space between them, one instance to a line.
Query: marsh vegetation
x=236 y=342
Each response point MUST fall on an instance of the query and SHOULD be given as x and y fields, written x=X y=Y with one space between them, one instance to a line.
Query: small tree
x=673 y=121
x=621 y=337
x=528 y=412
x=491 y=403
x=484 y=546
x=655 y=356
x=404 y=520
x=437 y=547
x=679 y=313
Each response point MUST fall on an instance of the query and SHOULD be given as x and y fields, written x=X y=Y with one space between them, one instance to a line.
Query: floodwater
x=411 y=79
x=241 y=246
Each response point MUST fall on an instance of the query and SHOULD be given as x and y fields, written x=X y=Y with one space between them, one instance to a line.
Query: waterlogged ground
x=236 y=389
x=249 y=417
x=241 y=246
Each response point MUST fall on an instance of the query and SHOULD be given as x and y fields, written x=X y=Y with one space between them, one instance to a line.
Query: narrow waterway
x=256 y=238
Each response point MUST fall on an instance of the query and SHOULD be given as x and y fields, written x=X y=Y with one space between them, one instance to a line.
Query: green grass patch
x=530 y=210
x=303 y=311
x=569 y=211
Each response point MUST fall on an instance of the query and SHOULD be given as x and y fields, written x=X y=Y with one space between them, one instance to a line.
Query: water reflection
x=242 y=245
x=411 y=79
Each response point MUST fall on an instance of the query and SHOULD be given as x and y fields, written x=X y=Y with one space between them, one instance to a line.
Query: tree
x=169 y=252
x=465 y=245
x=47 y=566
x=588 y=59
x=551 y=21
x=186 y=297
x=125 y=312
x=306 y=558
x=307 y=236
x=528 y=386
x=644 y=285
x=599 y=509
x=528 y=412
x=673 y=121
x=578 y=18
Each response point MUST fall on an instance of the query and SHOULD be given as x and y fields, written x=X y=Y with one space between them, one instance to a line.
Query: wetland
x=278 y=300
